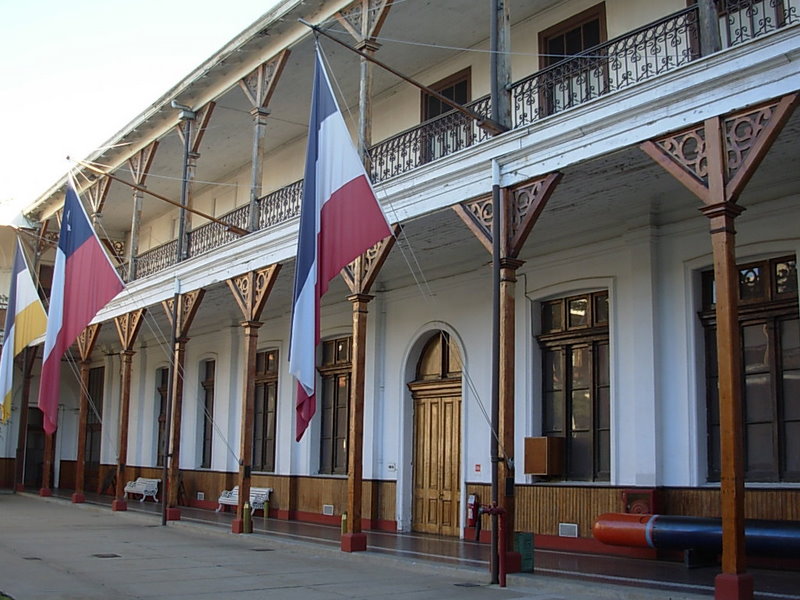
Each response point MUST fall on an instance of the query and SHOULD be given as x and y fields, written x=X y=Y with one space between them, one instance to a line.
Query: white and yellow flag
x=26 y=321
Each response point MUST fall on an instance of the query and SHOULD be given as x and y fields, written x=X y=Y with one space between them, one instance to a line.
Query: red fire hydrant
x=493 y=509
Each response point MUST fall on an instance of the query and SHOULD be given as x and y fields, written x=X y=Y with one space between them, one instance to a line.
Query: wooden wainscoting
x=777 y=504
x=7 y=472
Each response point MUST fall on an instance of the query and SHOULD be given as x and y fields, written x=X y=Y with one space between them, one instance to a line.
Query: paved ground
x=52 y=549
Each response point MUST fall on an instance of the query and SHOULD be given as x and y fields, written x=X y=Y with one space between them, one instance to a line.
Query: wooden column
x=251 y=291
x=47 y=466
x=86 y=343
x=363 y=19
x=353 y=540
x=28 y=360
x=128 y=326
x=524 y=205
x=716 y=171
x=500 y=42
x=710 y=41
x=139 y=164
x=258 y=87
x=359 y=277
x=185 y=311
x=197 y=128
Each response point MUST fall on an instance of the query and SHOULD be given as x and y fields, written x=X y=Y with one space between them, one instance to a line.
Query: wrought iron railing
x=434 y=139
x=156 y=259
x=280 y=206
x=743 y=20
x=647 y=52
x=637 y=56
x=213 y=235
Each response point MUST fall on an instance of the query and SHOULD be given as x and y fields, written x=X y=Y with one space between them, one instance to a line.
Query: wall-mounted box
x=544 y=455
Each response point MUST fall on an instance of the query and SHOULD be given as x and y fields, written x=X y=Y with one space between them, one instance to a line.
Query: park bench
x=143 y=486
x=258 y=497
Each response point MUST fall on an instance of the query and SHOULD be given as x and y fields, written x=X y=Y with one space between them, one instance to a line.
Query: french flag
x=84 y=281
x=340 y=219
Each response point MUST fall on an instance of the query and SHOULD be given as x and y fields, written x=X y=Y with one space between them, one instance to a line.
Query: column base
x=119 y=505
x=354 y=542
x=513 y=562
x=173 y=514
x=78 y=498
x=45 y=492
x=237 y=526
x=733 y=586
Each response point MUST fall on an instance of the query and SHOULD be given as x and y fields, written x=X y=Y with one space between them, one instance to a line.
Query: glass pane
x=602 y=375
x=758 y=398
x=581 y=411
x=601 y=309
x=786 y=277
x=755 y=346
x=713 y=453
x=553 y=412
x=343 y=350
x=580 y=456
x=603 y=438
x=790 y=344
x=711 y=352
x=791 y=459
x=553 y=371
x=581 y=370
x=759 y=443
x=578 y=312
x=603 y=408
x=751 y=285
x=552 y=316
x=712 y=393
x=591 y=34
x=327 y=353
x=791 y=394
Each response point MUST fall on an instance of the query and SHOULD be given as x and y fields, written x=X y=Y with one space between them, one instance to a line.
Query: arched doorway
x=436 y=393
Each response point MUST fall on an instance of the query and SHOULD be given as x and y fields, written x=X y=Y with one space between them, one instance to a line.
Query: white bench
x=258 y=497
x=143 y=486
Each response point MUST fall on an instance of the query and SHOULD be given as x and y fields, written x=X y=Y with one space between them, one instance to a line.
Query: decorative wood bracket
x=524 y=206
x=197 y=129
x=259 y=85
x=363 y=29
x=128 y=326
x=252 y=289
x=86 y=341
x=141 y=162
x=715 y=159
x=97 y=194
x=360 y=274
x=188 y=304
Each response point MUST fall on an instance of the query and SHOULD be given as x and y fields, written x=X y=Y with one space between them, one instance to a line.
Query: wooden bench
x=143 y=486
x=258 y=497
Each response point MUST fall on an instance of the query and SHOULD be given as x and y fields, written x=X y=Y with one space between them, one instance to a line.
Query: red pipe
x=493 y=509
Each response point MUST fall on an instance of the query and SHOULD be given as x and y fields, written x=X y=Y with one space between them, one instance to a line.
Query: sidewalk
x=50 y=548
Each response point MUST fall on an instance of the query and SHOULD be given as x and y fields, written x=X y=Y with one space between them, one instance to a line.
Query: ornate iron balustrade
x=434 y=139
x=743 y=20
x=280 y=206
x=637 y=56
x=213 y=235
x=156 y=259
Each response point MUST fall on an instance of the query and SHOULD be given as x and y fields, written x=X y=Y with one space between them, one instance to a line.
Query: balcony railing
x=643 y=54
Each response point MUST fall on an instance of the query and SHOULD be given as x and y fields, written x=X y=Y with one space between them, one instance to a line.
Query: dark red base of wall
x=336 y=520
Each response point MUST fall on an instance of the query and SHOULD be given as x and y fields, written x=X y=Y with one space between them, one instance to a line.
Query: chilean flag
x=84 y=281
x=340 y=219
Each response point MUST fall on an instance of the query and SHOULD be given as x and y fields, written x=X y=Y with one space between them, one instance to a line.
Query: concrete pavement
x=52 y=549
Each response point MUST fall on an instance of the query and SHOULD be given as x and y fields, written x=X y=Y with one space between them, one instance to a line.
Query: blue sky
x=75 y=72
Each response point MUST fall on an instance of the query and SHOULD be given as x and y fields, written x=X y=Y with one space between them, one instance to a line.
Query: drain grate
x=467 y=584
x=31 y=558
x=261 y=549
x=106 y=555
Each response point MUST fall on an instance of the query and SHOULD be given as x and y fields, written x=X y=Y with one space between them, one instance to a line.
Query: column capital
x=260 y=112
x=360 y=298
x=368 y=45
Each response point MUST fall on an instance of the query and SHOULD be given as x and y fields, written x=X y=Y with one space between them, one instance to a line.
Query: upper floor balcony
x=578 y=65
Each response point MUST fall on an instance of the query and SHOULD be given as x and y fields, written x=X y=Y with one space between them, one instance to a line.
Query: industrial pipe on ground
x=672 y=532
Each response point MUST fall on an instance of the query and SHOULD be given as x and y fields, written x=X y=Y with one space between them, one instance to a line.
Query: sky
x=75 y=72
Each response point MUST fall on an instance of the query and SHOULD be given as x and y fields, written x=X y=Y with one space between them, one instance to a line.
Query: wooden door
x=437 y=439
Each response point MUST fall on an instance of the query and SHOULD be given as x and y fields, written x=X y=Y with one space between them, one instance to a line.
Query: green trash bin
x=523 y=543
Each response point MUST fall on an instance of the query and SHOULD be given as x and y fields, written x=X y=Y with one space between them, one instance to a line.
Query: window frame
x=330 y=370
x=206 y=387
x=266 y=378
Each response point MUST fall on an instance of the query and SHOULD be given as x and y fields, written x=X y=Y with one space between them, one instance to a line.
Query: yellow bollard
x=247 y=521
